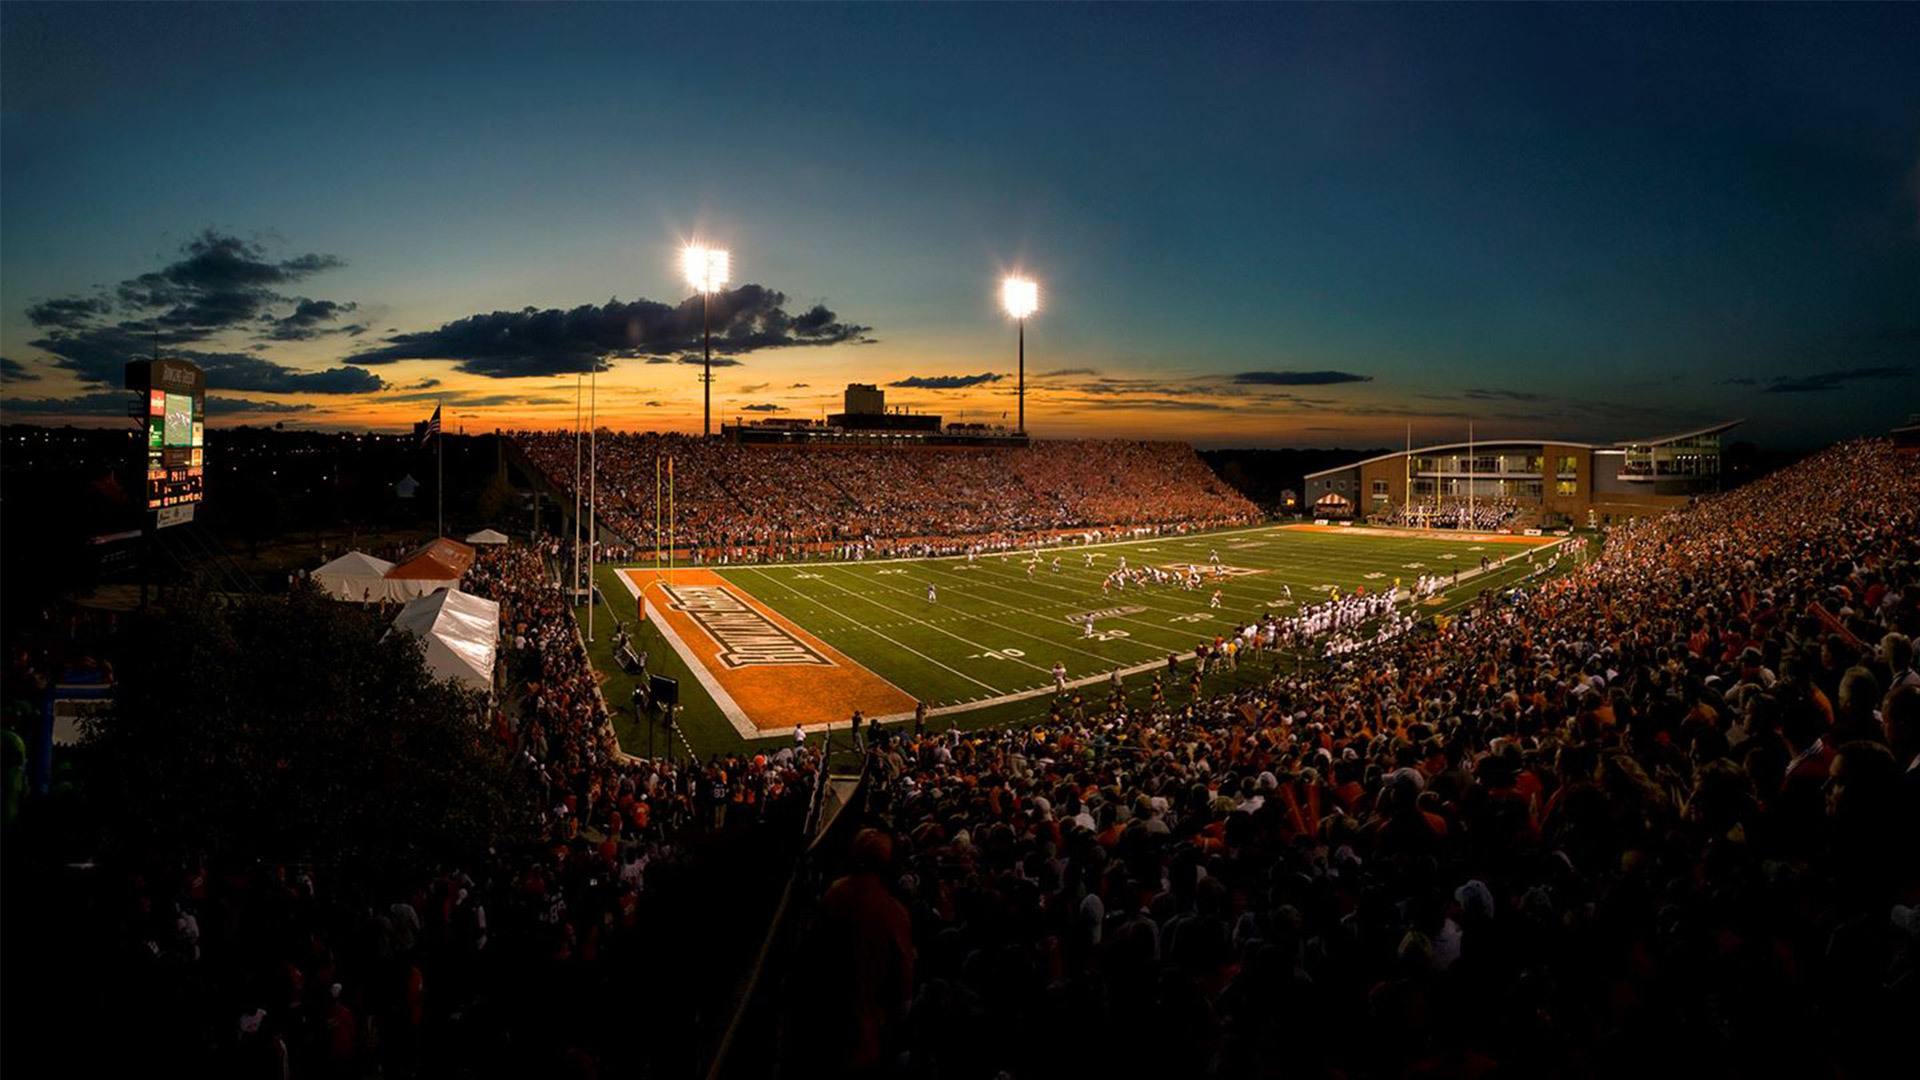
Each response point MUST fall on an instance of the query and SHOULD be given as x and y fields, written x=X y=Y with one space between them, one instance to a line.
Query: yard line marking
x=1140 y=595
x=1079 y=600
x=876 y=633
x=1104 y=660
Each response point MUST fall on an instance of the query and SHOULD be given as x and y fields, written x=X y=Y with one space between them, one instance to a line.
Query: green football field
x=984 y=650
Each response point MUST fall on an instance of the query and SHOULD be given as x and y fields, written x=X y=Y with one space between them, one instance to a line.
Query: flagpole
x=573 y=586
x=669 y=521
x=440 y=473
x=1406 y=494
x=593 y=487
x=1469 y=474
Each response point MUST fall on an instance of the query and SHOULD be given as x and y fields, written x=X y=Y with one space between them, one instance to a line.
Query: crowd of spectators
x=1657 y=813
x=735 y=502
x=1484 y=514
x=1663 y=804
x=516 y=954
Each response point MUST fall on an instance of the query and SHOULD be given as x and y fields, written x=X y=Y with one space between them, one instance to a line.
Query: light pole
x=1020 y=297
x=705 y=269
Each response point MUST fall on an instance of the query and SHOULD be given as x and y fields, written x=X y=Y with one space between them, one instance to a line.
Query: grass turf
x=995 y=630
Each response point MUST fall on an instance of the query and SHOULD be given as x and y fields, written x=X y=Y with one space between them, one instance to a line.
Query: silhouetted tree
x=288 y=729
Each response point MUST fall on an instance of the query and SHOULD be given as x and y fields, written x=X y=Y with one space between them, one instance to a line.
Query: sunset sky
x=1252 y=225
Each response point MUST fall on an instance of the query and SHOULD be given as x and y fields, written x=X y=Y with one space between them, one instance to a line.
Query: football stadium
x=1364 y=543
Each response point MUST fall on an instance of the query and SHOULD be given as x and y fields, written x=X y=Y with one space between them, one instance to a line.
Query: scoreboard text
x=174 y=430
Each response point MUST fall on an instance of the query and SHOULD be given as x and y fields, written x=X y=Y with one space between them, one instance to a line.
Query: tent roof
x=356 y=564
x=441 y=560
x=464 y=625
x=488 y=536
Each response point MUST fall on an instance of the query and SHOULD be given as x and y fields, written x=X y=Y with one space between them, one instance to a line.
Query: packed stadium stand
x=736 y=502
x=1662 y=805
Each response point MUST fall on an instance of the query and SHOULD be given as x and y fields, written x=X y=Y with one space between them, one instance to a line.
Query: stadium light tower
x=705 y=269
x=1021 y=298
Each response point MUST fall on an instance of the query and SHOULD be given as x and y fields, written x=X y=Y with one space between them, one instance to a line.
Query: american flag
x=432 y=428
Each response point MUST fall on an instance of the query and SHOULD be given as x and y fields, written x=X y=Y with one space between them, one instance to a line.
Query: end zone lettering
x=1104 y=613
x=746 y=637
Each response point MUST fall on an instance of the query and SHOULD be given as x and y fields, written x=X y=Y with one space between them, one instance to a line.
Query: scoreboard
x=170 y=409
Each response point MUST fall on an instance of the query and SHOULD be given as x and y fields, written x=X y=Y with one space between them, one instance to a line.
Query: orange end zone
x=764 y=671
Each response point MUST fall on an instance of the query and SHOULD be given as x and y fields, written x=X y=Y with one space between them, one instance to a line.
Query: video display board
x=174 y=433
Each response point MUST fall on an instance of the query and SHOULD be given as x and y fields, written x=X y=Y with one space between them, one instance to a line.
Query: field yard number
x=1198 y=616
x=806 y=577
x=998 y=654
x=964 y=569
x=1373 y=575
x=890 y=571
x=1413 y=565
x=1109 y=635
x=1449 y=555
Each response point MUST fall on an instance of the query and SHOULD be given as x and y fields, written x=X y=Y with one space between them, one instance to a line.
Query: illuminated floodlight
x=1019 y=296
x=705 y=268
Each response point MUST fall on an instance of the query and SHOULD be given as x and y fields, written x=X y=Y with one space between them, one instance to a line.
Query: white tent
x=459 y=630
x=488 y=536
x=359 y=577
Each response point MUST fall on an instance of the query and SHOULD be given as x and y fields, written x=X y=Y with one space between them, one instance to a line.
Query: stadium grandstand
x=1501 y=482
x=743 y=501
x=1659 y=792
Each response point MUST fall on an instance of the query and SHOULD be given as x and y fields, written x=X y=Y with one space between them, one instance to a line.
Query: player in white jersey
x=1215 y=601
x=1059 y=677
x=933 y=596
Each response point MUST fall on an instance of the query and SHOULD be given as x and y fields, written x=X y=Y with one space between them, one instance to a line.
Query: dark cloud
x=764 y=407
x=946 y=382
x=1297 y=378
x=755 y=388
x=1832 y=380
x=467 y=399
x=654 y=404
x=305 y=322
x=218 y=282
x=219 y=406
x=550 y=341
x=1745 y=380
x=109 y=403
x=68 y=312
x=798 y=386
x=423 y=384
x=14 y=371
x=1133 y=386
x=1502 y=395
x=1059 y=372
x=99 y=355
x=100 y=404
x=1148 y=403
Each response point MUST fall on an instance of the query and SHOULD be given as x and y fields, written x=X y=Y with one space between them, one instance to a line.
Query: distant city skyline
x=1251 y=225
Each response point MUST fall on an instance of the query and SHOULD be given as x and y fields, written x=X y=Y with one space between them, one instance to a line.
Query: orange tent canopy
x=441 y=560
